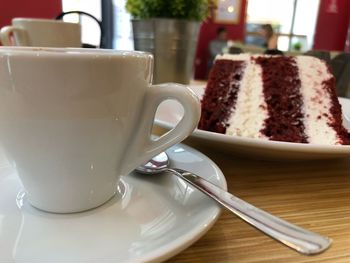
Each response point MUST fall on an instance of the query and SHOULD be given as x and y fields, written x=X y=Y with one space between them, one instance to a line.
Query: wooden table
x=313 y=194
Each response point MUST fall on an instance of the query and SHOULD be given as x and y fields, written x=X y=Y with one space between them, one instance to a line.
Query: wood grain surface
x=312 y=194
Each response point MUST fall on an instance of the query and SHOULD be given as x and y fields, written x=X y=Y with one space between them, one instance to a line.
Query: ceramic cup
x=41 y=33
x=74 y=120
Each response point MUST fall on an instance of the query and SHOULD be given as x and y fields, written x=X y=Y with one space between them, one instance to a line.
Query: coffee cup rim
x=48 y=51
x=47 y=20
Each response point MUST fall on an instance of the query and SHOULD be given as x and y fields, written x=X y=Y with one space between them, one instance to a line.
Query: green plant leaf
x=196 y=10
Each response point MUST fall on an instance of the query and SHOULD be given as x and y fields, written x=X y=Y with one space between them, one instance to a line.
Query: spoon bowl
x=157 y=164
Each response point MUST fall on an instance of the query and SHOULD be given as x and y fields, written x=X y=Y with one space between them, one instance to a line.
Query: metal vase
x=173 y=43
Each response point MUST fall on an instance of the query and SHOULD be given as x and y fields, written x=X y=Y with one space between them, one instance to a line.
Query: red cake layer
x=335 y=120
x=220 y=95
x=281 y=87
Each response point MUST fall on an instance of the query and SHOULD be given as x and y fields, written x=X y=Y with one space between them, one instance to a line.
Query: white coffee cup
x=74 y=120
x=41 y=33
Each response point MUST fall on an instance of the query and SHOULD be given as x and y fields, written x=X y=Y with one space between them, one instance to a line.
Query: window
x=122 y=27
x=305 y=22
x=293 y=20
x=90 y=29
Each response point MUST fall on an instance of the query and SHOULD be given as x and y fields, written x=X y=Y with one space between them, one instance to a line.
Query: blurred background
x=298 y=26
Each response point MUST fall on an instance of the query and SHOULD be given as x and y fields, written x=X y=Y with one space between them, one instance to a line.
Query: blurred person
x=270 y=37
x=218 y=44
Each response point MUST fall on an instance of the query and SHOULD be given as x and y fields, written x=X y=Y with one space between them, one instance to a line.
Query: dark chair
x=235 y=50
x=324 y=55
x=340 y=65
x=81 y=13
x=275 y=52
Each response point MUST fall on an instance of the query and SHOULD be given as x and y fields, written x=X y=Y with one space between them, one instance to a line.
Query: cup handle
x=143 y=148
x=5 y=35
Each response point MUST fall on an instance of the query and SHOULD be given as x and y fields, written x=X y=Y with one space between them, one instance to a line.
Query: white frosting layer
x=250 y=111
x=317 y=102
x=243 y=56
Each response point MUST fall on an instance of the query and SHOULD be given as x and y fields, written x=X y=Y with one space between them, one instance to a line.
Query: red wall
x=347 y=42
x=208 y=32
x=28 y=8
x=332 y=25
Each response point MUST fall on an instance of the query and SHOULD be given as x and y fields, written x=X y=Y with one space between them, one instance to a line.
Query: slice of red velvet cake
x=278 y=98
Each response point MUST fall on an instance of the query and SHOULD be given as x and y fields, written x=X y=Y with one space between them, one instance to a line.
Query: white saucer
x=153 y=219
x=170 y=113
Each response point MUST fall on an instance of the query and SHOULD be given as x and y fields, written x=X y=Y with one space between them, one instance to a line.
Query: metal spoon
x=297 y=238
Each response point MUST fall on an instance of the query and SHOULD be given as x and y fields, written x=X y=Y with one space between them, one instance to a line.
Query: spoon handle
x=297 y=238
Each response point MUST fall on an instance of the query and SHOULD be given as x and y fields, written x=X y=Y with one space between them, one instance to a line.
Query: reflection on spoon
x=297 y=238
x=346 y=122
